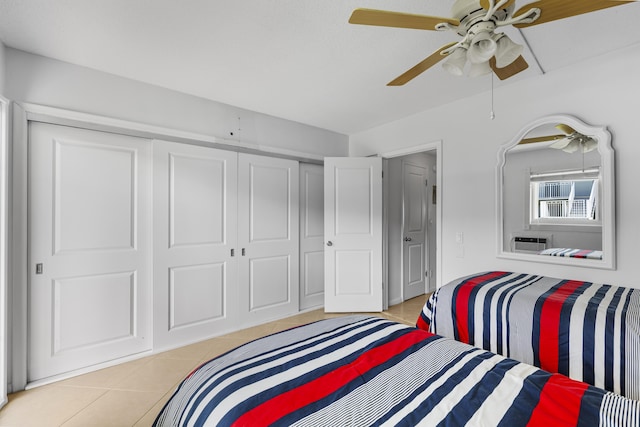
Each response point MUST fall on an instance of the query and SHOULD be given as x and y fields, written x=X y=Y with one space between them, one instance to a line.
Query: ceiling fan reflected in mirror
x=476 y=21
x=570 y=141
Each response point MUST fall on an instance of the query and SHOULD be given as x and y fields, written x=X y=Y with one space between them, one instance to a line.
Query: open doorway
x=411 y=221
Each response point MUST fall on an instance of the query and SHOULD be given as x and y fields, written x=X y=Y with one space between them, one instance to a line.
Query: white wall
x=602 y=92
x=39 y=80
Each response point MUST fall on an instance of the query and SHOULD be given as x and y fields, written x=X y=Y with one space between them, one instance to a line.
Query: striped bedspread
x=572 y=253
x=587 y=331
x=361 y=371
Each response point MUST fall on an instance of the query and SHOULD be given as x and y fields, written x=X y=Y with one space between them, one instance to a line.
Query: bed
x=587 y=331
x=362 y=370
x=572 y=253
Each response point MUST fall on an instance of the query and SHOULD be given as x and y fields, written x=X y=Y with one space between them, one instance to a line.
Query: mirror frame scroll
x=607 y=173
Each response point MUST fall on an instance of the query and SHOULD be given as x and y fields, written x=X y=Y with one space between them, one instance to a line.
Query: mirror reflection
x=555 y=192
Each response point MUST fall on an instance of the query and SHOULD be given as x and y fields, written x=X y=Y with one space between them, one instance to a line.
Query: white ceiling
x=295 y=59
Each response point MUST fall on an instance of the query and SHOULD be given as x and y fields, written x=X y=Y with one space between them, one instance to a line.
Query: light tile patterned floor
x=132 y=394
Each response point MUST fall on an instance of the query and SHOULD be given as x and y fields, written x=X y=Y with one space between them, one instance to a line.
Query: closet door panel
x=196 y=294
x=269 y=282
x=197 y=199
x=195 y=239
x=89 y=248
x=311 y=236
x=268 y=237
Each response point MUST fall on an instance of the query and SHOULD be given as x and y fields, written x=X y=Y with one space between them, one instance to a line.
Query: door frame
x=5 y=238
x=21 y=115
x=430 y=146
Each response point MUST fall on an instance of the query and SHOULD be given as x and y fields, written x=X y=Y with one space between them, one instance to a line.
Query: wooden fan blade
x=541 y=139
x=510 y=70
x=485 y=4
x=565 y=128
x=421 y=67
x=383 y=18
x=551 y=10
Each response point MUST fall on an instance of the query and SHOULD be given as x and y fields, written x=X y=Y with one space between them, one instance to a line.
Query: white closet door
x=89 y=248
x=195 y=280
x=311 y=236
x=268 y=237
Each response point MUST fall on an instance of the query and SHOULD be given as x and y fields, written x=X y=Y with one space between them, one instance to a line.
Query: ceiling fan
x=476 y=21
x=569 y=141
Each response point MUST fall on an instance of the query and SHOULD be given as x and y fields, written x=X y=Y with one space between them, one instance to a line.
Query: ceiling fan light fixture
x=575 y=142
x=479 y=69
x=482 y=48
x=454 y=64
x=506 y=51
x=589 y=144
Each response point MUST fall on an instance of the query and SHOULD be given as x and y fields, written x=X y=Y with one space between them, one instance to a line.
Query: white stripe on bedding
x=409 y=407
x=632 y=347
x=575 y=332
x=498 y=403
x=599 y=336
x=479 y=315
x=445 y=406
x=617 y=343
x=244 y=393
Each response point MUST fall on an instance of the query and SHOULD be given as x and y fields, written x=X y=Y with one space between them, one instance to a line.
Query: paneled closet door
x=89 y=248
x=195 y=276
x=268 y=237
x=311 y=236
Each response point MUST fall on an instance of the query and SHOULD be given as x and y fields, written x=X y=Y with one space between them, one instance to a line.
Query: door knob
x=329 y=243
x=407 y=239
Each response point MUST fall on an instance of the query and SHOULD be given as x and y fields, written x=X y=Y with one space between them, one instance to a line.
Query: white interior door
x=89 y=248
x=268 y=219
x=353 y=234
x=414 y=197
x=311 y=236
x=195 y=223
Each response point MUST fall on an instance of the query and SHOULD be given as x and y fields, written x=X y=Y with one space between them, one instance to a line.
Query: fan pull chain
x=492 y=115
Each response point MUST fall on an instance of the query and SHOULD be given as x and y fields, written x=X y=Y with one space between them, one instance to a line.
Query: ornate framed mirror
x=556 y=194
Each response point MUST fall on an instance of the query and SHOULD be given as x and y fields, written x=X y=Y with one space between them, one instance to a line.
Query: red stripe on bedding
x=582 y=254
x=421 y=324
x=462 y=303
x=292 y=400
x=550 y=324
x=559 y=404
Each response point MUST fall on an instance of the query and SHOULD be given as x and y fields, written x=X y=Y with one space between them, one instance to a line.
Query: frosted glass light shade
x=589 y=145
x=479 y=69
x=506 y=51
x=482 y=48
x=454 y=64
